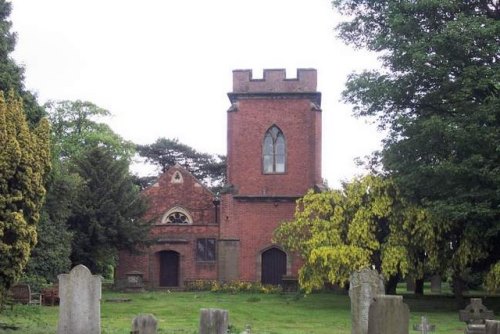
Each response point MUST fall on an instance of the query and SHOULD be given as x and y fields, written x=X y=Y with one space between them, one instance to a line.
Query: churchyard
x=290 y=313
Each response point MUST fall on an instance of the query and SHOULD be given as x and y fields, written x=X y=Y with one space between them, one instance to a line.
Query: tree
x=76 y=127
x=365 y=224
x=165 y=153
x=24 y=162
x=75 y=130
x=438 y=94
x=107 y=213
x=11 y=74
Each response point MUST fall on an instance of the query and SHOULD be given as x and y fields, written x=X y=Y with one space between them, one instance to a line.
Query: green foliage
x=231 y=287
x=76 y=127
x=107 y=211
x=438 y=94
x=24 y=162
x=493 y=278
x=365 y=224
x=165 y=153
x=11 y=74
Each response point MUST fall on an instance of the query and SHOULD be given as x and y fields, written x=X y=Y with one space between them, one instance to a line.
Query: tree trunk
x=458 y=289
x=391 y=285
x=419 y=286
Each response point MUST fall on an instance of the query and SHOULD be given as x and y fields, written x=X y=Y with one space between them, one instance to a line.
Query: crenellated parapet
x=275 y=85
x=275 y=80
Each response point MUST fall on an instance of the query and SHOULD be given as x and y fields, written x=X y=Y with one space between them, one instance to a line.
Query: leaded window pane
x=205 y=250
x=268 y=164
x=280 y=164
x=274 y=151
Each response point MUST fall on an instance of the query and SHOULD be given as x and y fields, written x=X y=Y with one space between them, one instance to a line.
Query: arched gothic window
x=274 y=151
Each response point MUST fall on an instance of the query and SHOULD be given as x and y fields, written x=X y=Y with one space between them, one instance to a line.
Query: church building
x=273 y=158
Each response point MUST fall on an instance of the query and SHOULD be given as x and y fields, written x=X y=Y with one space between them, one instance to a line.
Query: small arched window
x=177 y=215
x=274 y=151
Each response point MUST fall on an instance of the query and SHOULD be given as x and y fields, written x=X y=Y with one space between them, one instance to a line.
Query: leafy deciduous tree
x=365 y=224
x=438 y=94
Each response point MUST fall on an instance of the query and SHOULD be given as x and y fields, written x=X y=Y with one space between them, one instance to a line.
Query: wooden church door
x=273 y=266
x=169 y=268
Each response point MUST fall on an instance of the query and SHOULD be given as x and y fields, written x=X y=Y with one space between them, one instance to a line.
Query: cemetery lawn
x=178 y=312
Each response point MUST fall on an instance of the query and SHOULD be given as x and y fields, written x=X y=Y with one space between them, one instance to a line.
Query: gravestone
x=475 y=315
x=213 y=321
x=436 y=284
x=424 y=327
x=144 y=324
x=364 y=285
x=388 y=315
x=492 y=327
x=79 y=306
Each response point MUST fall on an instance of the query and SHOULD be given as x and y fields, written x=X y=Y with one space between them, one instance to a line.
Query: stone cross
x=213 y=321
x=144 y=324
x=79 y=306
x=424 y=327
x=364 y=285
x=475 y=312
x=388 y=315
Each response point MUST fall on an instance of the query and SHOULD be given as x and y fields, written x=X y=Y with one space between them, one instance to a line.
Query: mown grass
x=178 y=312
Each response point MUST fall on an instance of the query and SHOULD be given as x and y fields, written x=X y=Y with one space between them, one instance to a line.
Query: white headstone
x=364 y=285
x=79 y=306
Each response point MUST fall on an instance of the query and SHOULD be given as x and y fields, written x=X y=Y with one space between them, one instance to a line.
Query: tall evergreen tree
x=108 y=210
x=438 y=94
x=24 y=162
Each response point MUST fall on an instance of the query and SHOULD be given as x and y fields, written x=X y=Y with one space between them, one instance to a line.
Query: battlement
x=275 y=81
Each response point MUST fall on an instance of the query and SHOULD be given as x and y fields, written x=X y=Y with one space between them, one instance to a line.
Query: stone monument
x=144 y=324
x=79 y=306
x=388 y=315
x=363 y=287
x=213 y=321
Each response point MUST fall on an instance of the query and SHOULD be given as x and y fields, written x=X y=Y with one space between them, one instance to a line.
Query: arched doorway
x=273 y=266
x=169 y=268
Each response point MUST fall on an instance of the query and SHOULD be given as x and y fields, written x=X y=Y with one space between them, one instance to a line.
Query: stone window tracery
x=177 y=216
x=274 y=151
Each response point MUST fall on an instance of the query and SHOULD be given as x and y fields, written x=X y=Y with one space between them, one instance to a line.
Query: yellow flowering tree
x=24 y=162
x=365 y=224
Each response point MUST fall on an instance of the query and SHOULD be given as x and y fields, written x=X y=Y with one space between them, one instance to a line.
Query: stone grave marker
x=364 y=285
x=388 y=315
x=475 y=315
x=436 y=284
x=492 y=327
x=79 y=306
x=213 y=321
x=410 y=284
x=144 y=324
x=424 y=327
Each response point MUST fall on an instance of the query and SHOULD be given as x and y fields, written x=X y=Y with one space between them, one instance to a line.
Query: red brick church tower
x=273 y=158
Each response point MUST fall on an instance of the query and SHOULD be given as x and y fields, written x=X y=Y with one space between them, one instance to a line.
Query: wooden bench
x=21 y=294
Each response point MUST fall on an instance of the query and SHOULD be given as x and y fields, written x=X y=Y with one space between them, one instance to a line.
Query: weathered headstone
x=475 y=315
x=436 y=284
x=364 y=285
x=492 y=327
x=144 y=324
x=79 y=307
x=213 y=321
x=388 y=315
x=424 y=327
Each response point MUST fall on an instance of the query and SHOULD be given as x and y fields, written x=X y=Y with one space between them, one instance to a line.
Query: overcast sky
x=163 y=68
